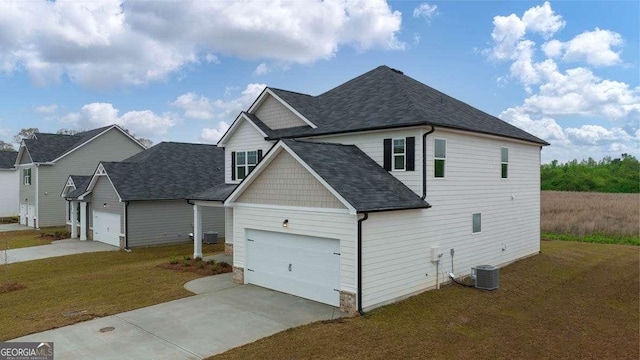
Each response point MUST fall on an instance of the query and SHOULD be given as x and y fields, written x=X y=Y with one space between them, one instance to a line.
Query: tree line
x=619 y=175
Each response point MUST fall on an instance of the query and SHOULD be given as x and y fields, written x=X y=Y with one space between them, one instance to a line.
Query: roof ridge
x=289 y=91
x=381 y=67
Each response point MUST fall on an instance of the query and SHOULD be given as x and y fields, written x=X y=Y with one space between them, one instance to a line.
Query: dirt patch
x=8 y=287
x=198 y=266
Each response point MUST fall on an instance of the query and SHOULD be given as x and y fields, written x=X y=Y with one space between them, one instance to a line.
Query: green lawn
x=28 y=238
x=89 y=285
x=575 y=300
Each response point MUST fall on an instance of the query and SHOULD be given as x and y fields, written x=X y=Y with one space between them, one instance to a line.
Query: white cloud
x=542 y=19
x=598 y=135
x=543 y=127
x=194 y=106
x=262 y=69
x=112 y=42
x=425 y=11
x=144 y=123
x=212 y=135
x=46 y=109
x=553 y=48
x=594 y=47
x=507 y=32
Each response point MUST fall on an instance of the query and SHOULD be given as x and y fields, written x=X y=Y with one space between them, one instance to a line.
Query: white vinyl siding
x=276 y=116
x=104 y=199
x=245 y=138
x=396 y=255
x=371 y=144
x=9 y=192
x=337 y=226
x=111 y=146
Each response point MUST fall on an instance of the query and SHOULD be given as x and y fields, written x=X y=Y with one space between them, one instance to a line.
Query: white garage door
x=304 y=266
x=106 y=228
x=31 y=215
x=23 y=214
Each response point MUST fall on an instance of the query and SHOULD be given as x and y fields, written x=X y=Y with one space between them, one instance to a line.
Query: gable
x=25 y=158
x=286 y=182
x=276 y=116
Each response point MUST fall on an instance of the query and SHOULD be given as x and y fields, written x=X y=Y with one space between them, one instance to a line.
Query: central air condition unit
x=210 y=237
x=486 y=277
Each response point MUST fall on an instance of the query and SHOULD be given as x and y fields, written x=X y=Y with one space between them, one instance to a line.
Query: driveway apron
x=56 y=248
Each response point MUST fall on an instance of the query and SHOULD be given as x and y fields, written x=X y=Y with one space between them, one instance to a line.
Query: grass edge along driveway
x=574 y=300
x=64 y=290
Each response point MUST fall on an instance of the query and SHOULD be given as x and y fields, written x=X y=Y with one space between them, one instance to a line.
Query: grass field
x=573 y=301
x=27 y=238
x=65 y=290
x=592 y=217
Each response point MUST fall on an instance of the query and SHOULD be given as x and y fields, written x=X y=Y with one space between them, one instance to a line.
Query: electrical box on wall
x=435 y=254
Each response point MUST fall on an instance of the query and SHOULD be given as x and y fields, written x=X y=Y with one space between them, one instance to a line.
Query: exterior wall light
x=104 y=205
x=285 y=223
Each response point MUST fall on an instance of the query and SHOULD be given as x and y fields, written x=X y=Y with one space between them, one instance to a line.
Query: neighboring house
x=374 y=191
x=8 y=184
x=140 y=201
x=46 y=160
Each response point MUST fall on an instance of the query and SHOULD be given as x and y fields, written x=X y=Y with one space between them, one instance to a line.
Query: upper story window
x=26 y=174
x=243 y=162
x=399 y=154
x=505 y=162
x=439 y=157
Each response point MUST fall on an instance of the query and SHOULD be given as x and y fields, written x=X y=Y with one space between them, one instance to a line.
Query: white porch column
x=197 y=231
x=74 y=220
x=83 y=221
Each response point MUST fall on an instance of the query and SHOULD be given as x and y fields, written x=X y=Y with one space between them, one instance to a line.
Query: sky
x=565 y=71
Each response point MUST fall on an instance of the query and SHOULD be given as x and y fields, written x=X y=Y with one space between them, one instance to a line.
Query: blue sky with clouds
x=565 y=71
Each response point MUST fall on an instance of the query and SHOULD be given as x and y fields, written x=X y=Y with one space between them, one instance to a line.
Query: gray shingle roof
x=47 y=147
x=356 y=177
x=217 y=193
x=81 y=182
x=8 y=159
x=386 y=98
x=167 y=170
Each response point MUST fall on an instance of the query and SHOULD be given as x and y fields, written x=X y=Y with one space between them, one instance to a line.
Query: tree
x=25 y=133
x=65 y=131
x=5 y=146
x=145 y=142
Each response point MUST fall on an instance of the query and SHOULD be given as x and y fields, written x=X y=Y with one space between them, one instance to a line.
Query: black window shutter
x=259 y=155
x=233 y=165
x=387 y=154
x=411 y=153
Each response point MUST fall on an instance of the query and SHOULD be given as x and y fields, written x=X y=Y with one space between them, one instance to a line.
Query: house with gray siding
x=141 y=200
x=45 y=161
x=9 y=185
x=370 y=192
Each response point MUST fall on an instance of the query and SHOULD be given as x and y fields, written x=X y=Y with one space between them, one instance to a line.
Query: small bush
x=173 y=260
x=214 y=267
x=185 y=263
x=212 y=262
x=201 y=265
x=187 y=257
x=199 y=258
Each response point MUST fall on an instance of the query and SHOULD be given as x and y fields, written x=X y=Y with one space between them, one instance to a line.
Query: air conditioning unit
x=486 y=277
x=210 y=237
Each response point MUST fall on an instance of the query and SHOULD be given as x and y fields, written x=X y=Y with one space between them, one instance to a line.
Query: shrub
x=173 y=260
x=185 y=263
x=214 y=267
x=187 y=257
x=201 y=265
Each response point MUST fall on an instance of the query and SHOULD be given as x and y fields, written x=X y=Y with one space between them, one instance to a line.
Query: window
x=245 y=162
x=399 y=154
x=505 y=162
x=26 y=174
x=477 y=223
x=439 y=156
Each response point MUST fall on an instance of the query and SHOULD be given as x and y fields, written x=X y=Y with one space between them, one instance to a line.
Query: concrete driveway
x=223 y=316
x=56 y=248
x=14 y=227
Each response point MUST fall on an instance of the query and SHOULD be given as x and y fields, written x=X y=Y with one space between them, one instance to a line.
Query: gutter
x=424 y=162
x=365 y=217
x=126 y=225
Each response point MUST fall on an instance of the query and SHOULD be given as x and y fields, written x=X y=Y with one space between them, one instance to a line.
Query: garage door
x=304 y=266
x=31 y=216
x=23 y=214
x=106 y=228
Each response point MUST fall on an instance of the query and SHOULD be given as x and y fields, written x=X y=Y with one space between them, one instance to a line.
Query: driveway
x=223 y=316
x=14 y=227
x=56 y=248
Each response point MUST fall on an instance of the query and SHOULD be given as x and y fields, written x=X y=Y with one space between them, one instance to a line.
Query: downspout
x=424 y=162
x=365 y=217
x=126 y=226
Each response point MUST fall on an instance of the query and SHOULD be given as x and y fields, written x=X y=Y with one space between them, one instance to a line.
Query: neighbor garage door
x=304 y=266
x=106 y=228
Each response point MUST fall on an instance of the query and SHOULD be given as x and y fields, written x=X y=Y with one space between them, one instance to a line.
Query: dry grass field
x=583 y=214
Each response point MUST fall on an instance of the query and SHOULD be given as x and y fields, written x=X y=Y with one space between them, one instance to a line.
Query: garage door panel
x=304 y=266
x=106 y=228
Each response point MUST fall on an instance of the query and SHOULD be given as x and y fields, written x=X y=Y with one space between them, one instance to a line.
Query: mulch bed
x=8 y=287
x=199 y=267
